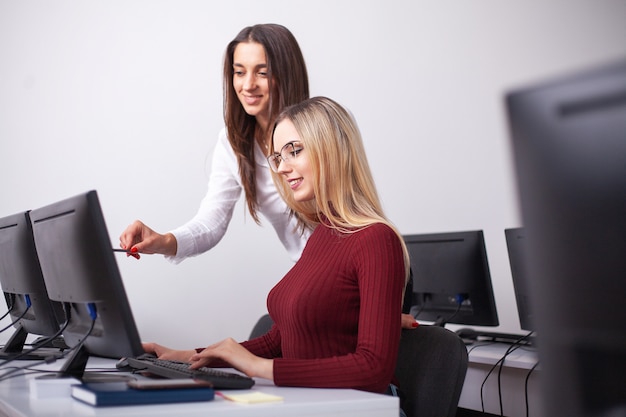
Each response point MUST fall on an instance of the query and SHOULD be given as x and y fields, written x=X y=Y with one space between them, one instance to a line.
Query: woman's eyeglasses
x=289 y=151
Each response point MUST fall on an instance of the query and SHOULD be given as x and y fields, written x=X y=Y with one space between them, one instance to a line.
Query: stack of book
x=149 y=392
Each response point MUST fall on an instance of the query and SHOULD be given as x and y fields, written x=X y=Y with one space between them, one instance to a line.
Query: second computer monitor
x=32 y=313
x=516 y=247
x=451 y=278
x=79 y=268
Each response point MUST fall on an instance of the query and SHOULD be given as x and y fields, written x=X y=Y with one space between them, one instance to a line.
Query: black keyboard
x=174 y=369
x=470 y=335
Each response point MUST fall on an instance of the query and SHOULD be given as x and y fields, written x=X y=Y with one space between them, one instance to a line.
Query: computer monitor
x=451 y=279
x=30 y=309
x=569 y=144
x=79 y=268
x=516 y=247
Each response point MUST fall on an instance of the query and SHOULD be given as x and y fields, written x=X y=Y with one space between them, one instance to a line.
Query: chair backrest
x=262 y=326
x=431 y=368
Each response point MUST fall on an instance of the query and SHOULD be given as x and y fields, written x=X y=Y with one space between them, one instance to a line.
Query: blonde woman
x=336 y=311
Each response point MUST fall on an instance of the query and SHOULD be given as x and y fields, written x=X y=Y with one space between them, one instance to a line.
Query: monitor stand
x=75 y=367
x=14 y=348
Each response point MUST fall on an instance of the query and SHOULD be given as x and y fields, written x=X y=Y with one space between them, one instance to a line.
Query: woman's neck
x=262 y=137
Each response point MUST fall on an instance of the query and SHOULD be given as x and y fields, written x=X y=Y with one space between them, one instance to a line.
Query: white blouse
x=209 y=225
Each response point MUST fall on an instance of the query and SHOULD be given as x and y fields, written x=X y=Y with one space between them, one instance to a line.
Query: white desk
x=482 y=357
x=15 y=400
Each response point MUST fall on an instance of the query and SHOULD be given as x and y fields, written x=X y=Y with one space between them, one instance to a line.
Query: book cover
x=119 y=393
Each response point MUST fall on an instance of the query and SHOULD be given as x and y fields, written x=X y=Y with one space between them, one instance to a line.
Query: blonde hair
x=344 y=189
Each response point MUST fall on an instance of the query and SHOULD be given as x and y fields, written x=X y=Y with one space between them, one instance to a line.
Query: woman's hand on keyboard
x=237 y=356
x=163 y=352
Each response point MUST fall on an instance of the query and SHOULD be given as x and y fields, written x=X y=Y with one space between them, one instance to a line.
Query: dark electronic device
x=25 y=290
x=219 y=379
x=79 y=268
x=451 y=279
x=516 y=247
x=569 y=145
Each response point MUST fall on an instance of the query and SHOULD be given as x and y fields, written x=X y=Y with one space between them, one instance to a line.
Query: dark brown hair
x=289 y=84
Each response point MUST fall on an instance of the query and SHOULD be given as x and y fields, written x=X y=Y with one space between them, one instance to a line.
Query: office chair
x=262 y=326
x=431 y=368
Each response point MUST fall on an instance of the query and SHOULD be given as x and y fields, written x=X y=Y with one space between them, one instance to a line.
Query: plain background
x=125 y=97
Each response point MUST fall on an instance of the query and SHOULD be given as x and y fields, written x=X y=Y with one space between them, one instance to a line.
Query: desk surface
x=16 y=399
x=489 y=353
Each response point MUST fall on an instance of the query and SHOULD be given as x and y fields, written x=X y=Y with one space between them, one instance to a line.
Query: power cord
x=92 y=312
x=459 y=298
x=459 y=302
x=514 y=346
x=517 y=342
x=28 y=305
x=68 y=311
x=10 y=305
x=526 y=386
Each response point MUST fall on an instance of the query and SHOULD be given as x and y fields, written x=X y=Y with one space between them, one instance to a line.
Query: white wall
x=125 y=97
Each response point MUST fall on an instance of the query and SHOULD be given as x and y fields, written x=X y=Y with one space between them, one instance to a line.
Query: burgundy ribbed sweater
x=337 y=312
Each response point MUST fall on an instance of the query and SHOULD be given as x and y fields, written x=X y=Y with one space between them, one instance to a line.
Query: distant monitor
x=79 y=267
x=24 y=289
x=516 y=246
x=569 y=143
x=451 y=279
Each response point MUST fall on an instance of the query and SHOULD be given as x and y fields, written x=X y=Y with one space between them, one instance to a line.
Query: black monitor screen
x=24 y=288
x=569 y=143
x=451 y=279
x=516 y=247
x=79 y=267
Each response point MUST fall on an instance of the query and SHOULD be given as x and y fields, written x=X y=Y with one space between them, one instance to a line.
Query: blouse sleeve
x=209 y=225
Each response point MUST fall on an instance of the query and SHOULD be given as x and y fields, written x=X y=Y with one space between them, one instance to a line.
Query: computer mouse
x=467 y=333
